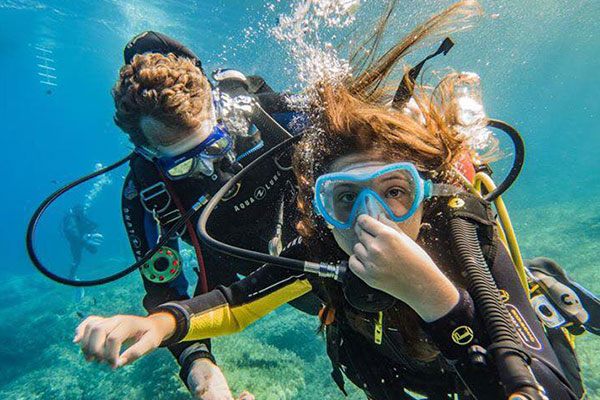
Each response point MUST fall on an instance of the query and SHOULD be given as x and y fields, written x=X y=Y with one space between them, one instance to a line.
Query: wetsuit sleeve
x=227 y=310
x=458 y=330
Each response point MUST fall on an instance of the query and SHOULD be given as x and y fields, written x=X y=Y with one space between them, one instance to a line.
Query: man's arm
x=142 y=233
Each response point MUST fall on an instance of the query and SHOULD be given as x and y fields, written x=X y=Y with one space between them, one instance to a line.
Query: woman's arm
x=228 y=310
x=219 y=312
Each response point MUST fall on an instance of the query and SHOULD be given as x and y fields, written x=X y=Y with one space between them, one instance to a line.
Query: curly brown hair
x=171 y=90
x=350 y=117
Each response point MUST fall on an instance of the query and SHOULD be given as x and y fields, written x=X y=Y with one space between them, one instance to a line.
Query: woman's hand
x=207 y=382
x=388 y=260
x=101 y=338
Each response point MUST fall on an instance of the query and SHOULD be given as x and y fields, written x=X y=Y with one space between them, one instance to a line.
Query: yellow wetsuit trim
x=225 y=320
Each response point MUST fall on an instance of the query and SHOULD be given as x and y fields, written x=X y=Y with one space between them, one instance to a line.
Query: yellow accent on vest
x=455 y=202
x=504 y=296
x=378 y=336
x=462 y=335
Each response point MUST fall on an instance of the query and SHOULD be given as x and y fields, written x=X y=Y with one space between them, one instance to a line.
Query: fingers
x=80 y=330
x=363 y=236
x=146 y=344
x=94 y=339
x=114 y=341
x=361 y=253
x=357 y=266
x=370 y=225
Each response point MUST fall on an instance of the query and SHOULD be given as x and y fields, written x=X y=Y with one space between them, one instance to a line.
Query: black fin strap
x=404 y=92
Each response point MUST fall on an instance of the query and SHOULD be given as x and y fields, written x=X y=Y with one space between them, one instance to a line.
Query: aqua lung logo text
x=259 y=193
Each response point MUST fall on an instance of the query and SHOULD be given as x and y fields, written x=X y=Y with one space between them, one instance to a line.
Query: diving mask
x=395 y=190
x=200 y=157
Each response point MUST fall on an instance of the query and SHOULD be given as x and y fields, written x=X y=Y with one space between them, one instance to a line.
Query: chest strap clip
x=156 y=198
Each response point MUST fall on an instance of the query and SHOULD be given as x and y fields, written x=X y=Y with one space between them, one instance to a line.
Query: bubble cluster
x=313 y=57
x=471 y=118
x=91 y=195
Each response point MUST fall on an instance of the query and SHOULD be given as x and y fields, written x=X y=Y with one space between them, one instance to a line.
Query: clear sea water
x=540 y=67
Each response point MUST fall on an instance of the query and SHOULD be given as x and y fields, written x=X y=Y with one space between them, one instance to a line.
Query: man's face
x=168 y=140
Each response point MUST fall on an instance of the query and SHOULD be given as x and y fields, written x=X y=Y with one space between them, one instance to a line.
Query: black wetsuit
x=248 y=218
x=386 y=369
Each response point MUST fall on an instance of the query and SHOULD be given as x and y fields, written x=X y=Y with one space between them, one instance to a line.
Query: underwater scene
x=69 y=103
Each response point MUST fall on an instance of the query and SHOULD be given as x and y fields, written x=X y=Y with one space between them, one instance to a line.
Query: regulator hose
x=250 y=255
x=517 y=166
x=265 y=123
x=31 y=229
x=511 y=360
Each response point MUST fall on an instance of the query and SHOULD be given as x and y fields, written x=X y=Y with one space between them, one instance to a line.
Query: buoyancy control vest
x=371 y=351
x=253 y=206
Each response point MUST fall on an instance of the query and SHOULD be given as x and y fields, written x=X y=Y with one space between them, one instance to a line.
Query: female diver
x=374 y=182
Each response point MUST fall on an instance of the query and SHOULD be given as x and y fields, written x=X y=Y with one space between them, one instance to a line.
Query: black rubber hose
x=517 y=166
x=265 y=123
x=510 y=359
x=30 y=237
x=289 y=263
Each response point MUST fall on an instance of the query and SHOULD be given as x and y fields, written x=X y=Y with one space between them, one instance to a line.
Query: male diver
x=190 y=137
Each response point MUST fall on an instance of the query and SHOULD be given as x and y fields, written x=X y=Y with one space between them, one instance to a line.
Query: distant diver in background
x=82 y=234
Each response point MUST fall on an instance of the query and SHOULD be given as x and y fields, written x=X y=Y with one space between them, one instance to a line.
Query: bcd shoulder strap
x=154 y=194
x=469 y=207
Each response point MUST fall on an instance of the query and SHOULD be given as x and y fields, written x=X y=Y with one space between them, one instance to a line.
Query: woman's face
x=346 y=238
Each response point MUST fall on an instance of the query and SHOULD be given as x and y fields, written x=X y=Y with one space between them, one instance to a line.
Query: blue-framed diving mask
x=200 y=157
x=395 y=190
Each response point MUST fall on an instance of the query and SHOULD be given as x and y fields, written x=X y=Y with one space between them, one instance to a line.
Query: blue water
x=538 y=62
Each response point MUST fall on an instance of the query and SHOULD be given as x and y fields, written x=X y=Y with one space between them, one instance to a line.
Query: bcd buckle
x=156 y=198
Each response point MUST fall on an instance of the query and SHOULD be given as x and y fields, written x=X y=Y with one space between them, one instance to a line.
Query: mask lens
x=205 y=167
x=181 y=169
x=343 y=196
x=217 y=148
x=397 y=189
